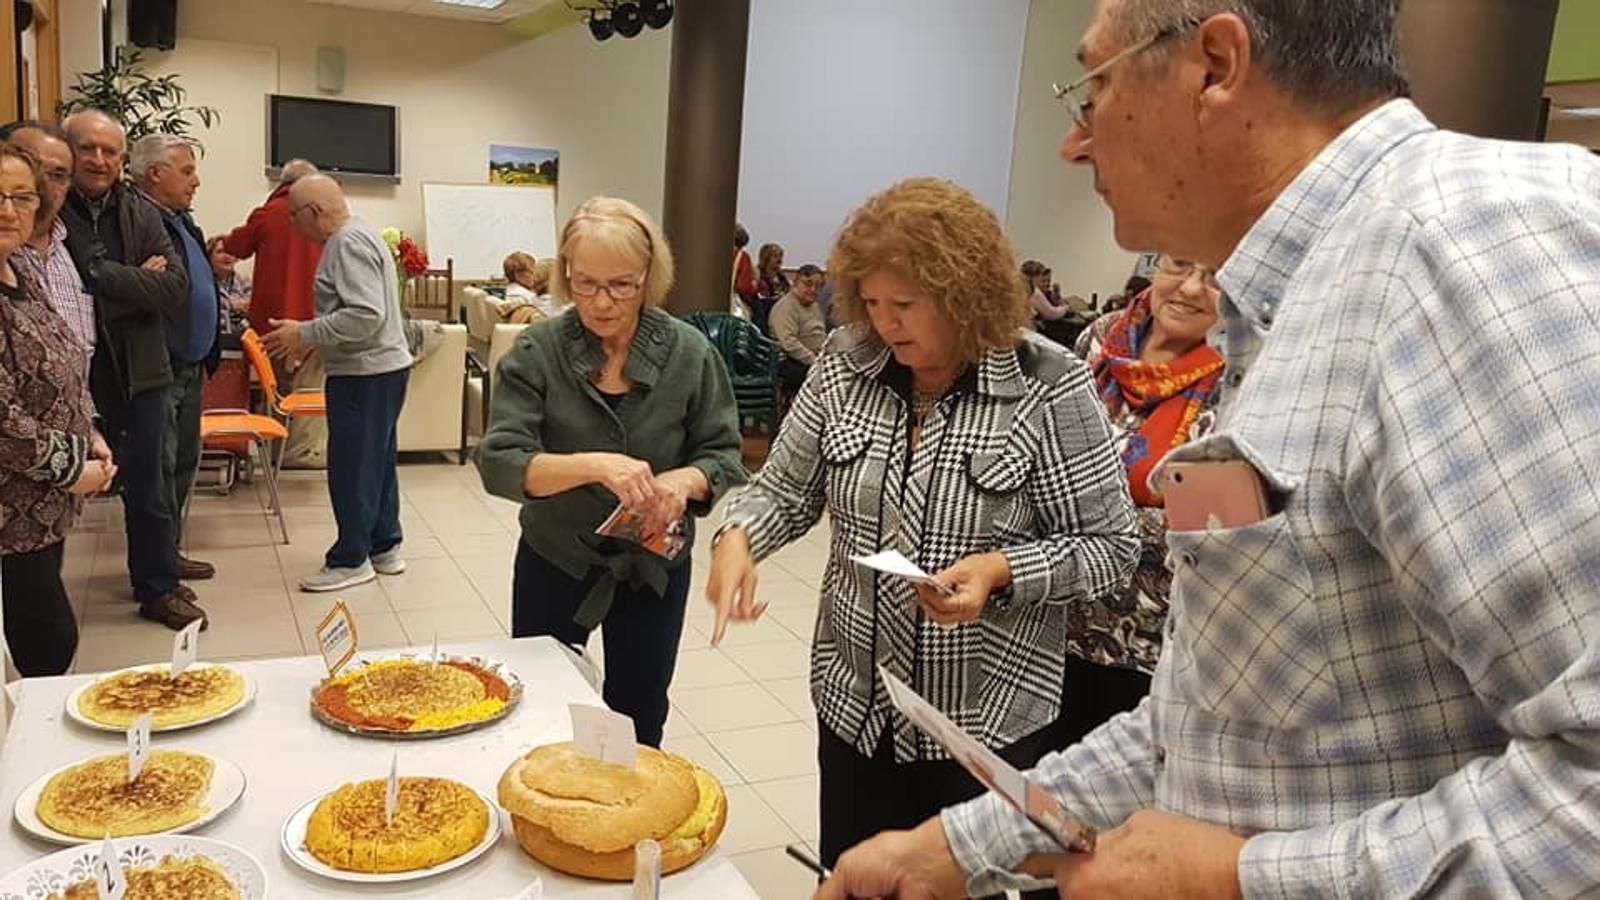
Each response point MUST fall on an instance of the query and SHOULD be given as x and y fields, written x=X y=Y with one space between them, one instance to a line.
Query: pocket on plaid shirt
x=1245 y=629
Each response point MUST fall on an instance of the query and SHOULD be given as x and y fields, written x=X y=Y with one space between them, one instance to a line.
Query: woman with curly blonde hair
x=938 y=425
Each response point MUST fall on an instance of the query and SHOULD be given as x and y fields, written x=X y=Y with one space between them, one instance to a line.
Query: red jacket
x=285 y=262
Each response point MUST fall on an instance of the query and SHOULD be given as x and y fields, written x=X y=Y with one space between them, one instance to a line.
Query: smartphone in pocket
x=1212 y=493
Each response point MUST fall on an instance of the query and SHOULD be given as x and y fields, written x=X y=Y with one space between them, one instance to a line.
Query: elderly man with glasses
x=361 y=338
x=1386 y=683
x=45 y=253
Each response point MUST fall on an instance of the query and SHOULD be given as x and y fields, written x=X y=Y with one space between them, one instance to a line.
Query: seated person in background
x=1158 y=378
x=771 y=285
x=1052 y=318
x=529 y=286
x=233 y=287
x=799 y=328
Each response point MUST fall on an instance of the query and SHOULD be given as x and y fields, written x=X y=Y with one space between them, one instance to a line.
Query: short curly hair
x=942 y=240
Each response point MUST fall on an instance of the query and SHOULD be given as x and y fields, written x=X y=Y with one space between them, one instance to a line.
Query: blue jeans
x=640 y=631
x=362 y=485
x=138 y=438
x=180 y=443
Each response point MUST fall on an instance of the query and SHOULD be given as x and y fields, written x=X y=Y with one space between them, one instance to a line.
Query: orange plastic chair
x=304 y=404
x=217 y=425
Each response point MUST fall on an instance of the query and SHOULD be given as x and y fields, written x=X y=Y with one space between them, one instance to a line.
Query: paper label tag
x=336 y=635
x=604 y=734
x=138 y=745
x=185 y=647
x=109 y=881
x=433 y=656
x=894 y=563
x=985 y=765
x=391 y=793
x=533 y=891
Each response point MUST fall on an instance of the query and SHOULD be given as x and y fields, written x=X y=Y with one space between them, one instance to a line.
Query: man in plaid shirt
x=1390 y=684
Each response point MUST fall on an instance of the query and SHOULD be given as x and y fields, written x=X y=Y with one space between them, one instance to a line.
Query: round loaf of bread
x=582 y=816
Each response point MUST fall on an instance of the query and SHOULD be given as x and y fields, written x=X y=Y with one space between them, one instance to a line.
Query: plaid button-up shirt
x=54 y=270
x=1016 y=458
x=1393 y=682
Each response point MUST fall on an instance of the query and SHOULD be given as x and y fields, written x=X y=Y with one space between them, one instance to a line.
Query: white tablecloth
x=288 y=758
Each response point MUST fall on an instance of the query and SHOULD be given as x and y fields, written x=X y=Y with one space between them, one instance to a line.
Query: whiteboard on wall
x=476 y=225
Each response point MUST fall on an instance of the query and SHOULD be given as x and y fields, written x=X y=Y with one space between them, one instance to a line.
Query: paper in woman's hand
x=634 y=525
x=894 y=563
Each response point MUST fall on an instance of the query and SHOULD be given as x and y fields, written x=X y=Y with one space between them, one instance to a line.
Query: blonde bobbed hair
x=624 y=229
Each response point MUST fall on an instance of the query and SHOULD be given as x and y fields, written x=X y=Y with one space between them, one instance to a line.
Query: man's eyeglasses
x=1076 y=95
x=59 y=176
x=619 y=288
x=21 y=201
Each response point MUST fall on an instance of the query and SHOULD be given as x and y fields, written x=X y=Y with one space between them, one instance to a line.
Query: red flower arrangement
x=410 y=258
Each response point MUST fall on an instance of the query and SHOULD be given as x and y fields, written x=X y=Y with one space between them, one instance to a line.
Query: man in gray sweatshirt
x=358 y=332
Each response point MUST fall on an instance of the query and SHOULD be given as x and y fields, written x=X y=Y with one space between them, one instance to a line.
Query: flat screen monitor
x=341 y=137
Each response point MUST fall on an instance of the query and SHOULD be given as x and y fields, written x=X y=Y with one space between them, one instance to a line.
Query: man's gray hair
x=1332 y=55
x=296 y=169
x=152 y=150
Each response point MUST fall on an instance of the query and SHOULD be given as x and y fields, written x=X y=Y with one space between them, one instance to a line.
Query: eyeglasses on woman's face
x=619 y=289
x=21 y=201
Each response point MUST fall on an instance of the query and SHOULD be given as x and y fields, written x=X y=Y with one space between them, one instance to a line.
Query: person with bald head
x=359 y=334
x=141 y=297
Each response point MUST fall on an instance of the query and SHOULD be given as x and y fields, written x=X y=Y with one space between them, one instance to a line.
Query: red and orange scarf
x=1166 y=397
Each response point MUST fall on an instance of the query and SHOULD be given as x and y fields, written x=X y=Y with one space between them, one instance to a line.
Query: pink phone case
x=1222 y=494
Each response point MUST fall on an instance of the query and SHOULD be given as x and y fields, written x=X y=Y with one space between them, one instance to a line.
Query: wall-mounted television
x=341 y=137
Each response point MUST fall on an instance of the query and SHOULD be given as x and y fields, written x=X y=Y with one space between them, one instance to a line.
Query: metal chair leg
x=272 y=488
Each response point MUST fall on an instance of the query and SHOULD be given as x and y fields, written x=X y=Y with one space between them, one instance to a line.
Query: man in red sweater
x=285 y=261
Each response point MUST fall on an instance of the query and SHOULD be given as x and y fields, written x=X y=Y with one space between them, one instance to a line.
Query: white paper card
x=336 y=635
x=138 y=745
x=894 y=563
x=987 y=766
x=185 y=647
x=604 y=734
x=109 y=881
x=534 y=891
x=433 y=656
x=391 y=793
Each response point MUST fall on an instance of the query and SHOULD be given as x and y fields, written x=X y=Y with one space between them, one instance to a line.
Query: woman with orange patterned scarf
x=1158 y=378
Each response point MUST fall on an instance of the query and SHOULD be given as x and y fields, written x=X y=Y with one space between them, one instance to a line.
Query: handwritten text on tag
x=605 y=735
x=336 y=635
x=138 y=745
x=109 y=881
x=185 y=647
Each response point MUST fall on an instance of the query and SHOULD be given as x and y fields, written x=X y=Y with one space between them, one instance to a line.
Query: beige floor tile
x=761 y=631
x=770 y=751
x=373 y=632
x=677 y=726
x=798 y=621
x=481 y=539
x=787 y=659
x=774 y=876
x=752 y=824
x=428 y=584
x=234 y=635
x=795 y=800
x=417 y=547
x=795 y=694
x=702 y=668
x=790 y=594
x=461 y=622
x=127 y=641
x=729 y=706
x=699 y=750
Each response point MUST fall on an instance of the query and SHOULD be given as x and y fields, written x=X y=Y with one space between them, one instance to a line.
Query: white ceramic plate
x=76 y=716
x=55 y=873
x=227 y=786
x=294 y=844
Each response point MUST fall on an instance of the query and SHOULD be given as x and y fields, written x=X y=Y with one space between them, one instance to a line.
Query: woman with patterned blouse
x=50 y=454
x=939 y=425
x=1158 y=379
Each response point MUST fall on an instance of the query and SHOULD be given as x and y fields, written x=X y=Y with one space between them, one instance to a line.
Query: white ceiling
x=505 y=12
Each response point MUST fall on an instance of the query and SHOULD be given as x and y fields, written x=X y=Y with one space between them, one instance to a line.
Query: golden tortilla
x=95 y=798
x=174 y=878
x=435 y=820
x=199 y=693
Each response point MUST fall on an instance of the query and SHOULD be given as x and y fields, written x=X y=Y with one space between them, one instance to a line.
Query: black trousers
x=640 y=631
x=1095 y=693
x=791 y=374
x=40 y=628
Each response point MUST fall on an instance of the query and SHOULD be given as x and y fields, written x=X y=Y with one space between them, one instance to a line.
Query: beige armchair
x=489 y=339
x=432 y=418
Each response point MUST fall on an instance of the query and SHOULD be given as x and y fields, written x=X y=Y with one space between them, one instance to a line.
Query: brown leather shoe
x=194 y=569
x=173 y=610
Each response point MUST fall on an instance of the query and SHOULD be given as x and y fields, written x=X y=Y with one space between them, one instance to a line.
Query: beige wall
x=80 y=39
x=459 y=87
x=1053 y=214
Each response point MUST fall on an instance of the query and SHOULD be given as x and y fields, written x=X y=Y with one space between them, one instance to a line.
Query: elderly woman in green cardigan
x=612 y=404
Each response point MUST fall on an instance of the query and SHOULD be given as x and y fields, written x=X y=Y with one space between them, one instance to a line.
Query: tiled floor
x=741 y=710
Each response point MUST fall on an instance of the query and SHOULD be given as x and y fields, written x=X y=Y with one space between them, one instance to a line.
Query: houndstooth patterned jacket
x=1016 y=457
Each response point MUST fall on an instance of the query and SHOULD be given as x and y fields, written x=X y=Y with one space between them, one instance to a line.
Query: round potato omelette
x=174 y=878
x=199 y=693
x=95 y=798
x=435 y=820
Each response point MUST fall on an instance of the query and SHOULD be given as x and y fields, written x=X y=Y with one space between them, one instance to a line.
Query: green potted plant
x=143 y=103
